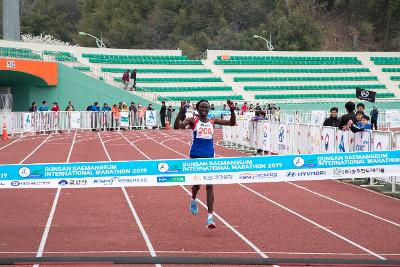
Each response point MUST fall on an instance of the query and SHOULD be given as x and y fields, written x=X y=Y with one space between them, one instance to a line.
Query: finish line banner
x=203 y=171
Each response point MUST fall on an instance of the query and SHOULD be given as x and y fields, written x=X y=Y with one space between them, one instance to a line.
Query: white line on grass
x=134 y=213
x=344 y=204
x=315 y=223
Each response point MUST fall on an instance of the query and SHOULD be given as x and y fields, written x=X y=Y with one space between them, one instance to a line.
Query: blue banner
x=202 y=171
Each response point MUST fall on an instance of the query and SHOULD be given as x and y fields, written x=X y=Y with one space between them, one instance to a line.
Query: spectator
x=70 y=107
x=33 y=108
x=360 y=106
x=365 y=122
x=163 y=114
x=258 y=107
x=133 y=80
x=106 y=115
x=244 y=108
x=333 y=120
x=141 y=112
x=359 y=115
x=116 y=116
x=277 y=114
x=125 y=108
x=169 y=113
x=363 y=125
x=259 y=115
x=55 y=107
x=348 y=119
x=133 y=114
x=44 y=106
x=251 y=108
x=120 y=104
x=374 y=117
x=105 y=107
x=125 y=79
x=237 y=107
x=150 y=107
x=224 y=107
x=95 y=107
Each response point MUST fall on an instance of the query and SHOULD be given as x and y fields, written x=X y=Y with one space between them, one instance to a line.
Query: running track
x=303 y=219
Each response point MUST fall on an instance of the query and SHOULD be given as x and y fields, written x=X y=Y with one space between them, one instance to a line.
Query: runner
x=203 y=146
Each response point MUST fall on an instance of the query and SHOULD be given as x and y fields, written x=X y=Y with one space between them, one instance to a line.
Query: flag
x=365 y=95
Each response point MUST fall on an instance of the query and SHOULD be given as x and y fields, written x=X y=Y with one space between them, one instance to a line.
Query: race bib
x=204 y=130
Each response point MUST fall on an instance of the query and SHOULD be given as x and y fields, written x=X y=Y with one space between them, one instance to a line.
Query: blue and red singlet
x=202 y=145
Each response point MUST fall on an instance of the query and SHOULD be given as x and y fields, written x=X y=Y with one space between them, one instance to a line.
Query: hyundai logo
x=290 y=174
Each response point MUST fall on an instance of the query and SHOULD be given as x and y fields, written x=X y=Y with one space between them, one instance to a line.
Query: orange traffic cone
x=167 y=125
x=4 y=136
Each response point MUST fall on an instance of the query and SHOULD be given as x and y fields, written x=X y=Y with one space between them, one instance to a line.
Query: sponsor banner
x=75 y=120
x=382 y=140
x=343 y=141
x=151 y=118
x=292 y=132
x=315 y=139
x=124 y=117
x=266 y=136
x=252 y=133
x=362 y=141
x=317 y=117
x=179 y=172
x=227 y=133
x=302 y=141
x=393 y=118
x=282 y=139
x=243 y=137
x=27 y=126
x=328 y=140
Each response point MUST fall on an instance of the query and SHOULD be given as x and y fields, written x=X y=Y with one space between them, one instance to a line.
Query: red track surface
x=303 y=219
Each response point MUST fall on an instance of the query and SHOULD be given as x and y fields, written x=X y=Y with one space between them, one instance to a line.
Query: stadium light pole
x=269 y=43
x=99 y=42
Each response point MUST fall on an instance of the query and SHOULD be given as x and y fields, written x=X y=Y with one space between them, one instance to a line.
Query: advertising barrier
x=202 y=171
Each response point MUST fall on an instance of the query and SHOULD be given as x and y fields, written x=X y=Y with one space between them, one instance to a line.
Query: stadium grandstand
x=294 y=80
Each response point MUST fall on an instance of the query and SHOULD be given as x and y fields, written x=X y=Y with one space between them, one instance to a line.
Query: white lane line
x=52 y=212
x=72 y=146
x=344 y=204
x=131 y=143
x=366 y=189
x=241 y=236
x=48 y=225
x=320 y=226
x=9 y=144
x=139 y=223
x=134 y=213
x=30 y=154
x=315 y=223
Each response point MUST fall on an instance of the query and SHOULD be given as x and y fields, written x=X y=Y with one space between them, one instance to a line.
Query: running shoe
x=193 y=207
x=210 y=223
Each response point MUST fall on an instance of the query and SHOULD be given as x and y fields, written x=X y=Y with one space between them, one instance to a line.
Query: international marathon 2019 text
x=86 y=170
x=356 y=159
